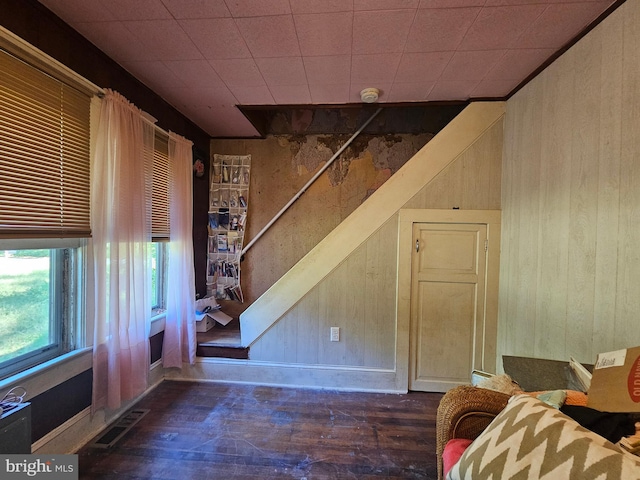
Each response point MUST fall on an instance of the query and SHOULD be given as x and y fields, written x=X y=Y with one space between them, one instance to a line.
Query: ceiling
x=207 y=57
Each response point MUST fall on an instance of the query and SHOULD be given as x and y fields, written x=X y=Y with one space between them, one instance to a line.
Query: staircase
x=224 y=341
x=449 y=144
x=356 y=273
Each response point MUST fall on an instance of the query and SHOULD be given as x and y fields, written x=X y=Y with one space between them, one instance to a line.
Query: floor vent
x=116 y=431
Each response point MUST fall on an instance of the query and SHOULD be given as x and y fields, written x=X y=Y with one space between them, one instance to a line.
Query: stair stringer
x=451 y=142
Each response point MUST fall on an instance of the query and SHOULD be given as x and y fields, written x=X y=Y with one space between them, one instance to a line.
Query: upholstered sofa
x=523 y=437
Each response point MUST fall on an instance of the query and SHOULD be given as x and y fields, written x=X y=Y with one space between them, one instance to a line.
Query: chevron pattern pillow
x=532 y=440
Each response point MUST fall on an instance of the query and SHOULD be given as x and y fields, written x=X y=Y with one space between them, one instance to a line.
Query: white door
x=448 y=282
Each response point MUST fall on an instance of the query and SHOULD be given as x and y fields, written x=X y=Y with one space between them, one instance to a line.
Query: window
x=159 y=222
x=37 y=288
x=44 y=207
x=160 y=226
x=158 y=261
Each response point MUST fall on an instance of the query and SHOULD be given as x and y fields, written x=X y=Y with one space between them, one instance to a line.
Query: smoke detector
x=369 y=95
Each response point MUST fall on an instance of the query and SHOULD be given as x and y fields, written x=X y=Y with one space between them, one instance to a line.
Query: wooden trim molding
x=443 y=149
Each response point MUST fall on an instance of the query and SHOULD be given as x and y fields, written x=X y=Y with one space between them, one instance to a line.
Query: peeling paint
x=388 y=152
x=310 y=154
x=282 y=164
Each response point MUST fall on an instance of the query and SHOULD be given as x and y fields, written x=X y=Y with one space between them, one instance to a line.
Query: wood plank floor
x=228 y=431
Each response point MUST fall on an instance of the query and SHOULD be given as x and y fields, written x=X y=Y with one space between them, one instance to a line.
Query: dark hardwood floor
x=228 y=431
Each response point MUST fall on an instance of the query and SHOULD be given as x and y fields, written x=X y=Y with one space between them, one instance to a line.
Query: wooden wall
x=570 y=264
x=360 y=295
x=281 y=166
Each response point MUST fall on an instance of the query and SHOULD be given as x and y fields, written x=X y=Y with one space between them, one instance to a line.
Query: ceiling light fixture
x=369 y=95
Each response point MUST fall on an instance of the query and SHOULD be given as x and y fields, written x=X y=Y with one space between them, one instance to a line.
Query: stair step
x=237 y=352
x=222 y=341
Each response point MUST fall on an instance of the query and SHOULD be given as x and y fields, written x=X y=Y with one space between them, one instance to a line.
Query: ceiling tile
x=494 y=3
x=499 y=27
x=164 y=39
x=374 y=68
x=438 y=30
x=205 y=56
x=471 y=65
x=324 y=33
x=452 y=90
x=327 y=70
x=79 y=10
x=410 y=92
x=327 y=93
x=493 y=88
x=154 y=74
x=252 y=95
x=260 y=8
x=381 y=31
x=211 y=97
x=114 y=39
x=291 y=94
x=518 y=64
x=224 y=122
x=282 y=71
x=420 y=67
x=138 y=10
x=321 y=6
x=241 y=72
x=385 y=4
x=195 y=72
x=559 y=23
x=197 y=8
x=173 y=97
x=216 y=38
x=270 y=36
x=452 y=3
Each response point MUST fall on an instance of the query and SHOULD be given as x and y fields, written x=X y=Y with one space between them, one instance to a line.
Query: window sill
x=74 y=362
x=157 y=322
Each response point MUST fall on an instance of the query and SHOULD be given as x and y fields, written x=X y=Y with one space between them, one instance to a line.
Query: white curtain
x=179 y=344
x=120 y=224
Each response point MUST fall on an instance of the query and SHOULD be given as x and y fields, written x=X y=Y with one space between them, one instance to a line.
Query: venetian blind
x=160 y=196
x=44 y=154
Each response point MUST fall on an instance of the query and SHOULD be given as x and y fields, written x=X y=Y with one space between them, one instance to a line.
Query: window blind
x=44 y=154
x=160 y=195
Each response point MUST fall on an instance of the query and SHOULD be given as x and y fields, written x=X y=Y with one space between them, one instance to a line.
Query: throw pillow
x=531 y=440
x=453 y=450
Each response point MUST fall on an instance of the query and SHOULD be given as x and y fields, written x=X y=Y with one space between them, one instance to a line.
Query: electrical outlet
x=335 y=334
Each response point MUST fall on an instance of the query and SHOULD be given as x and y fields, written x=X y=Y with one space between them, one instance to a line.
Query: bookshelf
x=228 y=202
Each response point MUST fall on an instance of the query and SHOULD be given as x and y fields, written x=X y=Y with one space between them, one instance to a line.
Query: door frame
x=406 y=219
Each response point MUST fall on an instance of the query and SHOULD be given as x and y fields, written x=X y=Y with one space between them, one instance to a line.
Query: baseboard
x=83 y=427
x=344 y=378
x=49 y=437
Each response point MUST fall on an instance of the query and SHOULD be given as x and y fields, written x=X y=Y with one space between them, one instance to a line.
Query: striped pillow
x=531 y=440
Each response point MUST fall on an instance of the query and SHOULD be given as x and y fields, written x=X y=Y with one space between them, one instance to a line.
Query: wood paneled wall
x=570 y=264
x=360 y=295
x=281 y=166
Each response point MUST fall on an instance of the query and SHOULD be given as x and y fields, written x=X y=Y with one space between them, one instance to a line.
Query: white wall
x=570 y=263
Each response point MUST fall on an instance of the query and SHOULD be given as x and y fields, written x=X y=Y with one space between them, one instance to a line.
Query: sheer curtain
x=180 y=329
x=120 y=224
